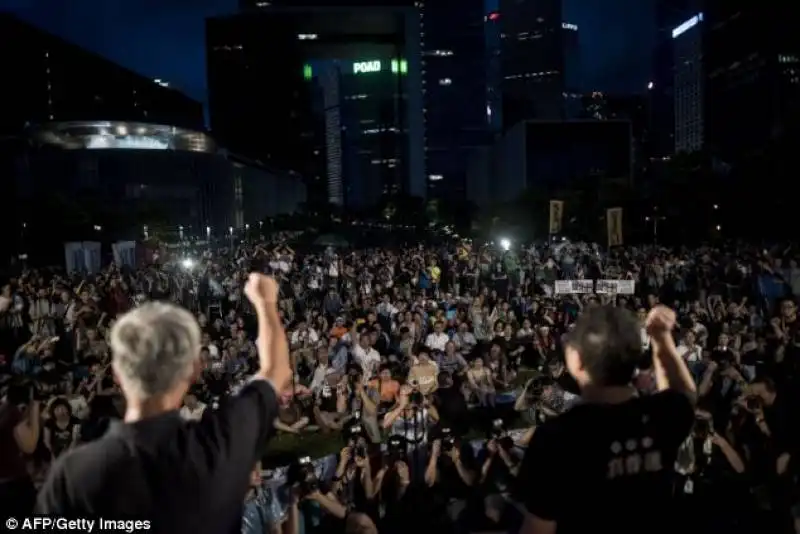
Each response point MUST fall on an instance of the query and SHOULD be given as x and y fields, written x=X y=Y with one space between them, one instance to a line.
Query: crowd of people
x=406 y=356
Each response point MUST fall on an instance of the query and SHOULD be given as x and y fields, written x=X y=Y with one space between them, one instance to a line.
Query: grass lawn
x=283 y=448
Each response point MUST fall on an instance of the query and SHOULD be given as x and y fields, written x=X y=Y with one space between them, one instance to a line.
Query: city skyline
x=174 y=47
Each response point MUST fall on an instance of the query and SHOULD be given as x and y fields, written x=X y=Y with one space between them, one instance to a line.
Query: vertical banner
x=91 y=254
x=124 y=253
x=614 y=226
x=556 y=216
x=73 y=257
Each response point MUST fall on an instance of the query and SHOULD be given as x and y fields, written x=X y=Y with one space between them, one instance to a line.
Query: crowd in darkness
x=407 y=355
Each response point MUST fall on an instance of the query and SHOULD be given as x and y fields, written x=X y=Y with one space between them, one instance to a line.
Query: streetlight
x=97 y=227
x=230 y=232
x=719 y=228
x=208 y=232
x=716 y=206
x=180 y=233
x=650 y=86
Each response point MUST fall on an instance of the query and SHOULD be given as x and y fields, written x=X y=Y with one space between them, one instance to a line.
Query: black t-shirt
x=61 y=437
x=182 y=476
x=607 y=467
x=448 y=482
x=568 y=384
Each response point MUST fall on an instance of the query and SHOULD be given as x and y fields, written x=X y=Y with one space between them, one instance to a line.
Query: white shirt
x=415 y=430
x=188 y=414
x=436 y=341
x=309 y=335
x=368 y=360
x=645 y=338
x=690 y=354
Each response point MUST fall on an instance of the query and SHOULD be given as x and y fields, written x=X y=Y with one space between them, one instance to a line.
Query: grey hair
x=154 y=347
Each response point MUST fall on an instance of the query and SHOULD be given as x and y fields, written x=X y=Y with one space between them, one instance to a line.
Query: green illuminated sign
x=363 y=67
x=398 y=66
x=307 y=72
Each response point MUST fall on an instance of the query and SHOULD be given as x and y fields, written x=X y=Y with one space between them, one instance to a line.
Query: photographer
x=499 y=461
x=411 y=416
x=355 y=397
x=706 y=483
x=19 y=436
x=453 y=475
x=353 y=481
x=311 y=508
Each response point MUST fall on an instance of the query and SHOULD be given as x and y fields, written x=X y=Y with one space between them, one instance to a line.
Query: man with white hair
x=180 y=476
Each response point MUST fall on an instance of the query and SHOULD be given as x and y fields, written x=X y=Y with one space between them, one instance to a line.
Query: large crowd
x=409 y=355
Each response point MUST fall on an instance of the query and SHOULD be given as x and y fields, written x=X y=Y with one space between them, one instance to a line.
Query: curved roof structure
x=121 y=135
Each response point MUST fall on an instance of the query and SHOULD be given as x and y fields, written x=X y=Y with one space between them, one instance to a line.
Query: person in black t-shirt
x=606 y=464
x=62 y=430
x=180 y=476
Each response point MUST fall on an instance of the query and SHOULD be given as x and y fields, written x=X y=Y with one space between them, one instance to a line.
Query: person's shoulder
x=78 y=474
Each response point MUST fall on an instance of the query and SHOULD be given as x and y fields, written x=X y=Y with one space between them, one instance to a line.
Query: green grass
x=284 y=447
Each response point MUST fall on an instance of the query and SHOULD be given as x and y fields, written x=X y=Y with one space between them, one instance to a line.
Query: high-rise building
x=752 y=60
x=573 y=70
x=453 y=46
x=494 y=72
x=669 y=14
x=687 y=40
x=533 y=60
x=365 y=135
x=49 y=79
x=270 y=69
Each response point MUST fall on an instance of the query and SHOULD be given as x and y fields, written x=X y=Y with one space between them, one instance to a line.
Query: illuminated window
x=435 y=177
x=445 y=81
x=307 y=36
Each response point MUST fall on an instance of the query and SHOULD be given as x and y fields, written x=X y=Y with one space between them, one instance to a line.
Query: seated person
x=387 y=387
x=422 y=374
x=330 y=404
x=291 y=416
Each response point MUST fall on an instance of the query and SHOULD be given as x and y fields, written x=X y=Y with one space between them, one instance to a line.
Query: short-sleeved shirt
x=612 y=462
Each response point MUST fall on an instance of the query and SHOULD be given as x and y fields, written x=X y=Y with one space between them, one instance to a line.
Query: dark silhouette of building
x=49 y=79
x=533 y=60
x=267 y=66
x=453 y=46
x=752 y=60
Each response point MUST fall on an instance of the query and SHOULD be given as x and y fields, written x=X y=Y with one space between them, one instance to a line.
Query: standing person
x=19 y=435
x=181 y=476
x=620 y=448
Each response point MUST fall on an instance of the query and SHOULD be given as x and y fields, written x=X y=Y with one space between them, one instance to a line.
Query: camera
x=702 y=427
x=753 y=402
x=360 y=450
x=354 y=374
x=395 y=449
x=354 y=430
x=499 y=434
x=448 y=440
x=302 y=474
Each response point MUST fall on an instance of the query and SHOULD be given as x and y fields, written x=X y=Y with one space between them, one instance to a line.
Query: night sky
x=165 y=38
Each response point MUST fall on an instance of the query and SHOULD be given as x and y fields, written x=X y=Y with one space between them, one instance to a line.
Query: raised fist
x=660 y=322
x=261 y=289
